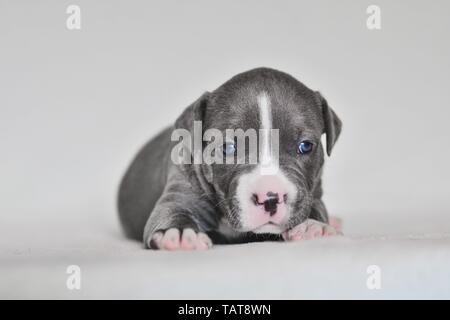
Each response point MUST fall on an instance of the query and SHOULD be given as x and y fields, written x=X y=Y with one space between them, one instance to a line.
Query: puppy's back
x=143 y=183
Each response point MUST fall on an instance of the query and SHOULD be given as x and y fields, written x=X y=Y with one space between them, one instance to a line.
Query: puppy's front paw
x=174 y=239
x=310 y=229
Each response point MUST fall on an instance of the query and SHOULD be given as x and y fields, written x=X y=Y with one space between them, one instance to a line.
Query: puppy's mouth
x=269 y=227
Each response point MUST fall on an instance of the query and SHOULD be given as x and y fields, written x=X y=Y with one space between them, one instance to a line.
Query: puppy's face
x=270 y=188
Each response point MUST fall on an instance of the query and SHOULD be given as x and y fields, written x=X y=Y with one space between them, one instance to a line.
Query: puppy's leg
x=319 y=213
x=318 y=225
x=180 y=219
x=175 y=228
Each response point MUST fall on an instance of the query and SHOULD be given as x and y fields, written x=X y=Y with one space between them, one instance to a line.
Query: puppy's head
x=274 y=175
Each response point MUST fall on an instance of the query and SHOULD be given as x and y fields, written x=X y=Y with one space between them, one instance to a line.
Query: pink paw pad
x=187 y=239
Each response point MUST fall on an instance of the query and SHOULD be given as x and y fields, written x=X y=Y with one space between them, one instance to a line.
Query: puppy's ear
x=332 y=123
x=195 y=112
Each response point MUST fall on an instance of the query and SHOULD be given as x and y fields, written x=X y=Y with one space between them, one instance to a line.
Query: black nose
x=270 y=205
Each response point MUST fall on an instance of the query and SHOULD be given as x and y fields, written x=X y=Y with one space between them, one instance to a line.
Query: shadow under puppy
x=191 y=206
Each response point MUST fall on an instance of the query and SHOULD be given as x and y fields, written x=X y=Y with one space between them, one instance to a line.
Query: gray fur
x=156 y=194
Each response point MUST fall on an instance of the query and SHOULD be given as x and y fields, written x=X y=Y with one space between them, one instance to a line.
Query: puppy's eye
x=229 y=149
x=305 y=147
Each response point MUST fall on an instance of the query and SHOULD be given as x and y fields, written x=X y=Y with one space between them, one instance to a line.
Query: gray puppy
x=191 y=206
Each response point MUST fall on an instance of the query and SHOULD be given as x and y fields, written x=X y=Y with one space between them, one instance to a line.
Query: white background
x=75 y=106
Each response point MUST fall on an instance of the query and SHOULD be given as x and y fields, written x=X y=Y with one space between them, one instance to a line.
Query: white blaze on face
x=265 y=178
x=267 y=163
x=265 y=112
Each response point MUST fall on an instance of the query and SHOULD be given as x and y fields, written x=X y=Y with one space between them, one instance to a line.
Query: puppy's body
x=160 y=201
